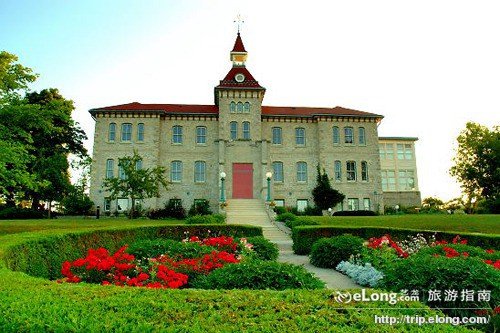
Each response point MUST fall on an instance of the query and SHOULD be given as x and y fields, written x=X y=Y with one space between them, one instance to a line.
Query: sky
x=428 y=66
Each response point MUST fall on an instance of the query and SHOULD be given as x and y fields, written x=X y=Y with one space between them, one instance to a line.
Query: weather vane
x=239 y=21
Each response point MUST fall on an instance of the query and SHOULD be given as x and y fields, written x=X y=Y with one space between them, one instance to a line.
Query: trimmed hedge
x=257 y=274
x=305 y=236
x=206 y=219
x=43 y=257
x=355 y=213
x=263 y=248
x=329 y=252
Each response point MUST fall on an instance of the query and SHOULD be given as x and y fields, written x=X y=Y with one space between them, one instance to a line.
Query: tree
x=136 y=182
x=323 y=194
x=13 y=77
x=432 y=203
x=477 y=163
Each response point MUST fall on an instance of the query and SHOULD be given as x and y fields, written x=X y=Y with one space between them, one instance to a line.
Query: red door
x=242 y=181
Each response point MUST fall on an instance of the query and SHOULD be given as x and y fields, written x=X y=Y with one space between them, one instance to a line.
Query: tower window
x=364 y=171
x=362 y=137
x=247 y=107
x=246 y=130
x=233 y=129
x=239 y=107
x=232 y=107
x=112 y=132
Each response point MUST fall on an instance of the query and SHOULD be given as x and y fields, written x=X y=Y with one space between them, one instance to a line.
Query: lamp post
x=222 y=194
x=269 y=175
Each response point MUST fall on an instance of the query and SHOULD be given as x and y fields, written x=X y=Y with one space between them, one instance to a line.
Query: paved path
x=253 y=212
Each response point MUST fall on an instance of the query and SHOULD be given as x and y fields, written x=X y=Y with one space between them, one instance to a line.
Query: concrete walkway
x=253 y=212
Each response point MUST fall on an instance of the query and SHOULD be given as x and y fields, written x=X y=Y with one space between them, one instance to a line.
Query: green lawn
x=488 y=224
x=30 y=304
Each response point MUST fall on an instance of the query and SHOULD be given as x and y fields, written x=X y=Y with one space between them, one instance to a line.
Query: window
x=353 y=203
x=278 y=171
x=388 y=180
x=348 y=135
x=126 y=132
x=177 y=203
x=401 y=151
x=138 y=164
x=239 y=107
x=367 y=204
x=176 y=171
x=338 y=171
x=247 y=107
x=339 y=207
x=121 y=172
x=122 y=204
x=276 y=140
x=199 y=171
x=364 y=171
x=279 y=202
x=201 y=135
x=233 y=127
x=389 y=150
x=110 y=164
x=107 y=204
x=381 y=150
x=336 y=135
x=361 y=136
x=406 y=180
x=351 y=170
x=140 y=132
x=232 y=107
x=300 y=136
x=408 y=152
x=301 y=171
x=246 y=130
x=177 y=134
x=112 y=132
x=301 y=205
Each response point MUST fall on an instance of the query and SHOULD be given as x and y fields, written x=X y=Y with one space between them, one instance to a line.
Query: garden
x=78 y=275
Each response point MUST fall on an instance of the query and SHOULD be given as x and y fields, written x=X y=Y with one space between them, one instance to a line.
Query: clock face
x=239 y=77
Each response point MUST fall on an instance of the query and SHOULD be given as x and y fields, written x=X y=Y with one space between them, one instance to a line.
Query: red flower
x=497 y=264
x=489 y=262
x=490 y=251
x=465 y=254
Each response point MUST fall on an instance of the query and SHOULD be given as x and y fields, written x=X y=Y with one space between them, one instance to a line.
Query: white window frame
x=177 y=134
x=348 y=137
x=126 y=134
x=278 y=175
x=140 y=132
x=201 y=135
x=112 y=132
x=362 y=136
x=233 y=130
x=336 y=135
x=200 y=170
x=337 y=170
x=300 y=136
x=351 y=173
x=176 y=171
x=246 y=130
x=301 y=172
x=110 y=166
x=276 y=133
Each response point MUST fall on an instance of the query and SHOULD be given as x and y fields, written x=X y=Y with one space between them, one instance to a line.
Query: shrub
x=174 y=249
x=77 y=202
x=355 y=213
x=173 y=209
x=200 y=207
x=279 y=210
x=286 y=217
x=300 y=221
x=472 y=251
x=380 y=259
x=312 y=211
x=323 y=194
x=329 y=252
x=364 y=275
x=259 y=275
x=205 y=219
x=423 y=272
x=15 y=213
x=263 y=248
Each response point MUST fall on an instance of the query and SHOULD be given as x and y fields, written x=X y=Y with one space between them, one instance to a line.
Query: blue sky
x=428 y=66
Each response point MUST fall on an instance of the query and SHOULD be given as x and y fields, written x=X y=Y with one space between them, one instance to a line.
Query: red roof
x=238 y=45
x=230 y=82
x=213 y=109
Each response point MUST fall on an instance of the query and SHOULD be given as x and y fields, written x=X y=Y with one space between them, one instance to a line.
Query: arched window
x=112 y=132
x=338 y=171
x=300 y=136
x=233 y=129
x=247 y=107
x=177 y=134
x=351 y=170
x=364 y=171
x=176 y=171
x=301 y=171
x=239 y=107
x=199 y=171
x=336 y=135
x=140 y=132
x=138 y=164
x=361 y=136
x=276 y=139
x=348 y=135
x=232 y=107
x=126 y=132
x=201 y=135
x=110 y=164
x=278 y=171
x=246 y=130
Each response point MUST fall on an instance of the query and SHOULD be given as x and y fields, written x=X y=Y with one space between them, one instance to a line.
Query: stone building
x=243 y=140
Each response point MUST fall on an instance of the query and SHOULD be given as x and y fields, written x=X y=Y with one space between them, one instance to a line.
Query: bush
x=172 y=209
x=286 y=217
x=364 y=275
x=329 y=252
x=259 y=275
x=312 y=211
x=205 y=219
x=472 y=251
x=279 y=210
x=423 y=272
x=355 y=213
x=77 y=203
x=174 y=249
x=15 y=213
x=263 y=248
x=305 y=236
x=300 y=221
x=200 y=207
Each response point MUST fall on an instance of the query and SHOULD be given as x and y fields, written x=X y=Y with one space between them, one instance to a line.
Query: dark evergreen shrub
x=329 y=252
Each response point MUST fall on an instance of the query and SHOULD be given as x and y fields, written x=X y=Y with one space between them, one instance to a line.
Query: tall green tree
x=136 y=182
x=14 y=77
x=323 y=194
x=477 y=163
